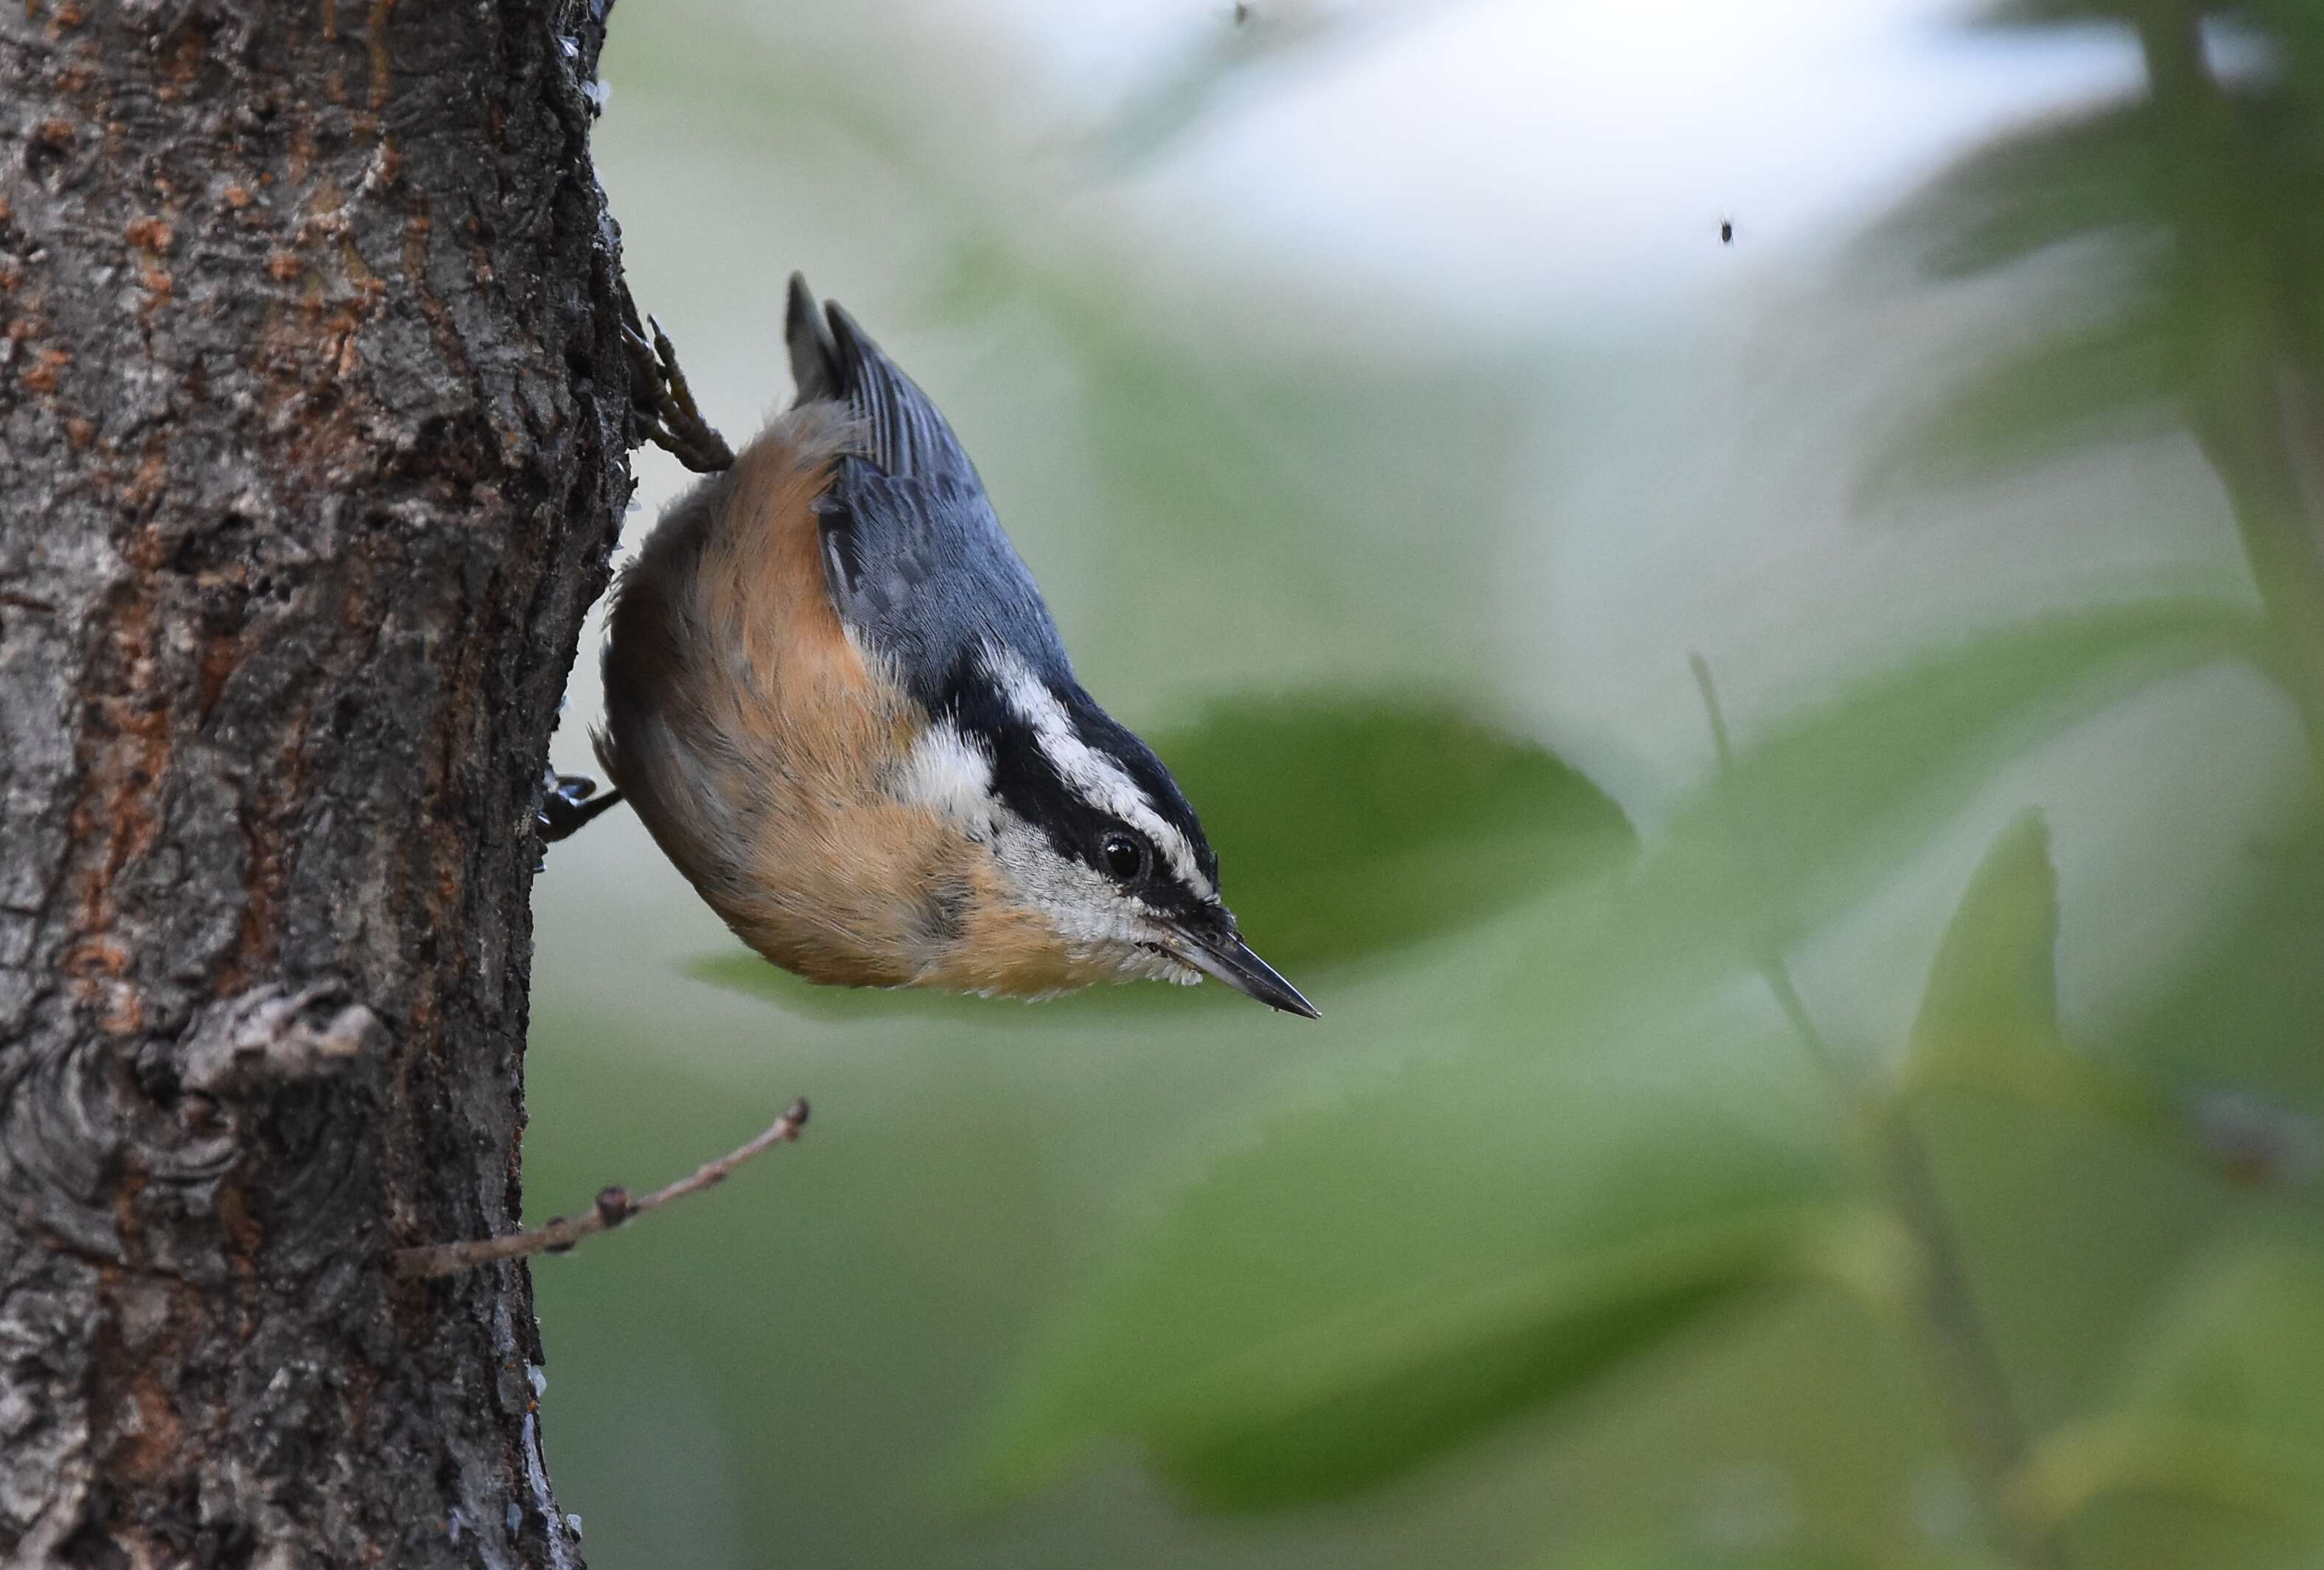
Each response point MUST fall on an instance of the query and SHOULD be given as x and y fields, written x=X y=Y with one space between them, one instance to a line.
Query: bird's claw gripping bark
x=663 y=403
x=567 y=806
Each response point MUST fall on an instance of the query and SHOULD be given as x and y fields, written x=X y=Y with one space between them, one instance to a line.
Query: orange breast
x=757 y=740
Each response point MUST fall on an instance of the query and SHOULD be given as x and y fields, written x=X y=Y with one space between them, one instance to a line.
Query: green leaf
x=1988 y=1020
x=2012 y=13
x=2218 y=193
x=2234 y=1032
x=1346 y=826
x=740 y=971
x=1365 y=1403
x=2225 y=1405
x=1989 y=1017
x=1819 y=813
x=1383 y=1278
x=2071 y=389
x=2241 y=1348
x=2297 y=28
x=1993 y=986
x=1372 y=1282
x=2053 y=184
x=2245 y=1010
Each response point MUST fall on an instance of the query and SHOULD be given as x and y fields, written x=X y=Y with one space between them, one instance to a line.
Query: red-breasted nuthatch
x=836 y=697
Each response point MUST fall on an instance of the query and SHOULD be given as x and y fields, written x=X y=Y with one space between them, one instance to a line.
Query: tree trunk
x=314 y=423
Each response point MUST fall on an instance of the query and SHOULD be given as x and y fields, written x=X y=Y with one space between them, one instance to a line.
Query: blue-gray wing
x=916 y=562
x=919 y=567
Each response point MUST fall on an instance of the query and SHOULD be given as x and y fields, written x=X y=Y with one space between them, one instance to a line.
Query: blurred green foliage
x=1644 y=1201
x=2223 y=1406
x=2198 y=209
x=1382 y=1277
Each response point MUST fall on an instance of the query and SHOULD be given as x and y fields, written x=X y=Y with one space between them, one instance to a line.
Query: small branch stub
x=613 y=1208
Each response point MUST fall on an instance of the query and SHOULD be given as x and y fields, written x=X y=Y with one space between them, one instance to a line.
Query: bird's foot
x=567 y=803
x=664 y=404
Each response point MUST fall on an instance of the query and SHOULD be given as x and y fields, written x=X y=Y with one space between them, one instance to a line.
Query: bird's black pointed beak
x=1224 y=955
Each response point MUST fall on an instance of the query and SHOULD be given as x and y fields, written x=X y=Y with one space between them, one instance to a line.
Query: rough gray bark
x=313 y=441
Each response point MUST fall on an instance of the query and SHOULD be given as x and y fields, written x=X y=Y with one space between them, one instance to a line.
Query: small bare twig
x=1720 y=743
x=613 y=1209
x=1767 y=949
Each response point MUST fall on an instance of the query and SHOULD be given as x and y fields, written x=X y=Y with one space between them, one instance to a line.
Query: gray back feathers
x=916 y=562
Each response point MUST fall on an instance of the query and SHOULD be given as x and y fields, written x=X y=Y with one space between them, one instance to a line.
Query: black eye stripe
x=1029 y=784
x=1105 y=734
x=1024 y=776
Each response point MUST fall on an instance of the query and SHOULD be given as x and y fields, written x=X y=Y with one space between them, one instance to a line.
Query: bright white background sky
x=1507 y=154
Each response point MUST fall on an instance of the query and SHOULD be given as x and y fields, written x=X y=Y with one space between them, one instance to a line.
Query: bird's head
x=1099 y=870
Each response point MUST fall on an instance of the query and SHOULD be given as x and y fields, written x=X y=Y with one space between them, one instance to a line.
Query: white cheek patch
x=1088 y=914
x=1093 y=919
x=947 y=772
x=1097 y=777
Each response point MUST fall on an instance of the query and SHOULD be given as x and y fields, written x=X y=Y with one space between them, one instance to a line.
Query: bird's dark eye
x=1126 y=856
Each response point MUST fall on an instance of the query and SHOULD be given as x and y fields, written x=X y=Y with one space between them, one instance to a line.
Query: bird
x=836 y=697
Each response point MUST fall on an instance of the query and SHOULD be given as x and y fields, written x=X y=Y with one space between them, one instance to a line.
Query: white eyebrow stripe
x=1098 y=778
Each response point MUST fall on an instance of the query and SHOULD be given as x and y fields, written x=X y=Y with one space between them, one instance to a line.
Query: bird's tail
x=834 y=360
